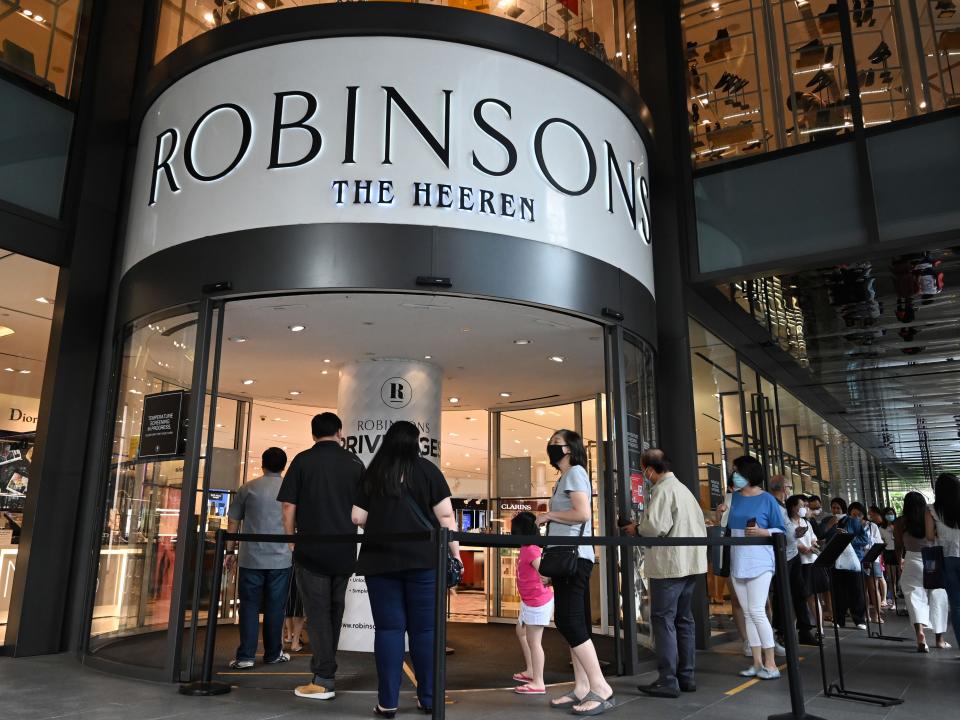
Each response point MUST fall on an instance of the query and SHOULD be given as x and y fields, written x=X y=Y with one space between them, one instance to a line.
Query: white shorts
x=536 y=615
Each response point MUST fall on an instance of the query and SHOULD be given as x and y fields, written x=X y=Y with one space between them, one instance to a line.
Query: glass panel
x=35 y=136
x=142 y=509
x=605 y=29
x=27 y=289
x=524 y=478
x=38 y=41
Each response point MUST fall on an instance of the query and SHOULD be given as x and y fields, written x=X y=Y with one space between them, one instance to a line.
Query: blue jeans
x=951 y=579
x=403 y=603
x=262 y=591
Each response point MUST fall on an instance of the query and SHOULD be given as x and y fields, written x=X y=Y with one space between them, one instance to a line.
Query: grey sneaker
x=747 y=651
x=281 y=658
x=749 y=672
x=765 y=674
x=779 y=649
x=241 y=664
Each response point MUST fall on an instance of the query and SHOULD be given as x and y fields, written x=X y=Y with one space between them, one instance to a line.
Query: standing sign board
x=163 y=425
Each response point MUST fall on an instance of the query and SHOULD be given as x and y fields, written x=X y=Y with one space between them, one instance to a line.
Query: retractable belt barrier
x=441 y=539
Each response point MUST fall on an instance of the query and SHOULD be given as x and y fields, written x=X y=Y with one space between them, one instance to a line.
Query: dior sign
x=391 y=130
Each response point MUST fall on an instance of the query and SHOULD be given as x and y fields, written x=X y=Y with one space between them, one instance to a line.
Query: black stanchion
x=792 y=644
x=206 y=686
x=440 y=629
x=872 y=555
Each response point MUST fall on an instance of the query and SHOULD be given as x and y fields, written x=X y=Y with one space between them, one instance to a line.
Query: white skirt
x=929 y=608
x=536 y=615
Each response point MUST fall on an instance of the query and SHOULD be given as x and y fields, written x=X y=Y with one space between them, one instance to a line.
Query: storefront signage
x=393 y=130
x=161 y=428
x=516 y=505
x=18 y=413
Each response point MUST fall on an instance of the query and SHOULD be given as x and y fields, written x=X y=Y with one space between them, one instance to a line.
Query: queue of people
x=327 y=490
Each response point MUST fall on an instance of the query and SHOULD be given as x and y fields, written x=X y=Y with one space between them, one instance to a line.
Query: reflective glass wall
x=38 y=41
x=605 y=29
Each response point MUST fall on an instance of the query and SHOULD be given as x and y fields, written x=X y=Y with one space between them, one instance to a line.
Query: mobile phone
x=752 y=522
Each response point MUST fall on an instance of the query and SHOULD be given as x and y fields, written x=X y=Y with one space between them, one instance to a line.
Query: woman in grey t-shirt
x=571 y=510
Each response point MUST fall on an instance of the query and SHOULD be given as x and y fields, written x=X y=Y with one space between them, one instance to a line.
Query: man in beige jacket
x=673 y=572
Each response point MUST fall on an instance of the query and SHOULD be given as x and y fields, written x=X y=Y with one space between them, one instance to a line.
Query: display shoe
x=724 y=79
x=865 y=78
x=828 y=55
x=692 y=51
x=946 y=8
x=821 y=81
x=723 y=38
x=886 y=77
x=829 y=19
x=881 y=53
x=868 y=13
x=695 y=114
x=739 y=85
x=858 y=12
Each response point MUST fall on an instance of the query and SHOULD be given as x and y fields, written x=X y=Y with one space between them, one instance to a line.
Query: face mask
x=838 y=515
x=739 y=481
x=555 y=453
x=802 y=512
x=891 y=518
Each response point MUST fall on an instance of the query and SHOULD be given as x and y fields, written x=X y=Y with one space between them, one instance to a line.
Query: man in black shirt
x=318 y=494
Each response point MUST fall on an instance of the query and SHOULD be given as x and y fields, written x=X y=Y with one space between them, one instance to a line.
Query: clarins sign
x=391 y=130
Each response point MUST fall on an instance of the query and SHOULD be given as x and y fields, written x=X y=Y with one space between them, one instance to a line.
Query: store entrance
x=508 y=376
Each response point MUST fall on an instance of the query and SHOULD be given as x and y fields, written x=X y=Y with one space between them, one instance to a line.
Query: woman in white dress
x=928 y=609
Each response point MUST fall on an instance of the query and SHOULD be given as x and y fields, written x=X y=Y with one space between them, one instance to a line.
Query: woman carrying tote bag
x=943 y=525
x=570 y=516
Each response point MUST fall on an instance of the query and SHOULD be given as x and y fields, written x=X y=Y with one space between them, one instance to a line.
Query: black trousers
x=571 y=604
x=848 y=595
x=798 y=595
x=323 y=599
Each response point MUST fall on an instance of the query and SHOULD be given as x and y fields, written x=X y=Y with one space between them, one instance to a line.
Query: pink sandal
x=529 y=690
x=521 y=678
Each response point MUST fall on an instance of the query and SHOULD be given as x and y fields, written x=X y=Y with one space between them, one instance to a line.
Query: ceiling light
x=135 y=391
x=557 y=358
x=923 y=104
x=297 y=328
x=28 y=13
x=471 y=419
x=249 y=382
x=324 y=372
x=219 y=425
x=454 y=399
x=517 y=442
x=44 y=300
x=466 y=454
x=237 y=339
x=453 y=434
x=38 y=18
x=522 y=342
x=24 y=372
x=465 y=329
x=504 y=394
x=540 y=412
x=261 y=6
x=208 y=18
x=293 y=392
x=4 y=331
x=428 y=357
x=11 y=370
x=326 y=360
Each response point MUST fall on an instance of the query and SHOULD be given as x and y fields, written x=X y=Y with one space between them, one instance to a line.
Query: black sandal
x=565 y=704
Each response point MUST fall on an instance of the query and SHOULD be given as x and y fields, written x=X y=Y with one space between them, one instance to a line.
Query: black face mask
x=555 y=453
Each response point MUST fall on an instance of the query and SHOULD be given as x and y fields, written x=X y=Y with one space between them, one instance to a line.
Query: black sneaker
x=658 y=689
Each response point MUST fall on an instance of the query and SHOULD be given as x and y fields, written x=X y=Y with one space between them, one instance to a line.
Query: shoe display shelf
x=938 y=33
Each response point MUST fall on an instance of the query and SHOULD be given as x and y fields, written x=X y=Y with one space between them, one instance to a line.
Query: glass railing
x=605 y=29
x=770 y=74
x=38 y=41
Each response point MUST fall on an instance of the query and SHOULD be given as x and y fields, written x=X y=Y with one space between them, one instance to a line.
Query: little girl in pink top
x=536 y=607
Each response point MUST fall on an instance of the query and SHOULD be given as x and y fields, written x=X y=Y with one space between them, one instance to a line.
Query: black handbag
x=932 y=567
x=454 y=569
x=560 y=561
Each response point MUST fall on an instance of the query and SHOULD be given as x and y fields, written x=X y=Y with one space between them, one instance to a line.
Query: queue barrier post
x=206 y=685
x=791 y=643
x=440 y=628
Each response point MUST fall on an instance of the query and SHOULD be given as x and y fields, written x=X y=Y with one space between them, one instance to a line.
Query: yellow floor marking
x=754 y=681
x=409 y=672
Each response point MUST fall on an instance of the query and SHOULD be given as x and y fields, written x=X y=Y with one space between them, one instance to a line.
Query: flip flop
x=521 y=678
x=570 y=701
x=603 y=704
x=529 y=690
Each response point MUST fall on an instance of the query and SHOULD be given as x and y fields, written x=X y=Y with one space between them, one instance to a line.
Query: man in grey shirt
x=264 y=578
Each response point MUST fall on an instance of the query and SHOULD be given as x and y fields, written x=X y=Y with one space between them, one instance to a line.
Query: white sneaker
x=861 y=626
x=749 y=672
x=765 y=674
x=281 y=658
x=241 y=664
x=315 y=692
x=779 y=649
x=747 y=650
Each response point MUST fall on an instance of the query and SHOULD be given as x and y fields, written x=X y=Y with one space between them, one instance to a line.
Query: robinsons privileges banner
x=371 y=396
x=391 y=130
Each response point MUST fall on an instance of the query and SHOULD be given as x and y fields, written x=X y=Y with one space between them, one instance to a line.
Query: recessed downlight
x=326 y=360
x=557 y=358
x=504 y=394
x=8 y=370
x=237 y=339
x=297 y=328
x=44 y=300
x=4 y=331
x=24 y=372
x=248 y=381
x=454 y=400
x=428 y=357
x=293 y=392
x=522 y=342
x=324 y=372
